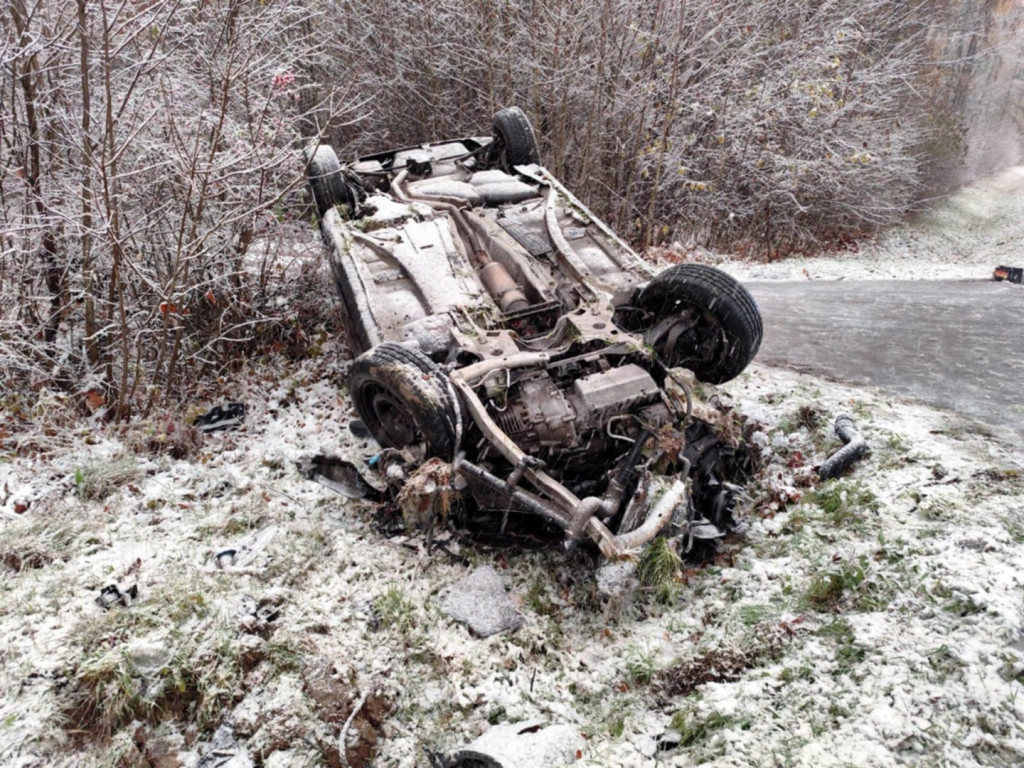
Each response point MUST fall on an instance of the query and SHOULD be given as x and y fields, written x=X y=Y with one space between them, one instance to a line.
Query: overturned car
x=521 y=367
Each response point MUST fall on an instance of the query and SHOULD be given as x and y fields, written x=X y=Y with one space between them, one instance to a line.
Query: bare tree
x=151 y=148
x=730 y=123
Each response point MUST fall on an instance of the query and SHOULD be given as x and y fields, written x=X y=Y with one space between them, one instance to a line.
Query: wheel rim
x=393 y=424
x=689 y=337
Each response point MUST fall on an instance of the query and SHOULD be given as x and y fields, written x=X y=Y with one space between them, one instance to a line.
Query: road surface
x=958 y=345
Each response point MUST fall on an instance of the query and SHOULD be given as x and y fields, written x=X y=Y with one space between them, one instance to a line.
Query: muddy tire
x=326 y=182
x=514 y=140
x=404 y=400
x=700 y=318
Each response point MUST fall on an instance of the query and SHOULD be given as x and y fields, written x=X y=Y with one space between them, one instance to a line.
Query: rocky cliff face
x=988 y=63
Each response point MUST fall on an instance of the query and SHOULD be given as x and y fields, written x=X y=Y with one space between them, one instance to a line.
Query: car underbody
x=521 y=367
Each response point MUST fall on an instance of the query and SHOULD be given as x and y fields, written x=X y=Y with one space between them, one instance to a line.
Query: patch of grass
x=660 y=570
x=827 y=588
x=852 y=584
x=891 y=552
x=804 y=672
x=167 y=435
x=616 y=723
x=300 y=550
x=97 y=481
x=694 y=730
x=764 y=643
x=843 y=503
x=962 y=604
x=848 y=652
x=862 y=410
x=395 y=610
x=1015 y=528
x=942 y=662
x=808 y=417
x=236 y=524
x=138 y=664
x=936 y=508
x=896 y=443
x=536 y=597
x=750 y=615
x=35 y=543
x=640 y=667
x=796 y=521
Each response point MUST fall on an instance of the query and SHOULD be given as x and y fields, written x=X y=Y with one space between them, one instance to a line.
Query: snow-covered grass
x=871 y=620
x=963 y=237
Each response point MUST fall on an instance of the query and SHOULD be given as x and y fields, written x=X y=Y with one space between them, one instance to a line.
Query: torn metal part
x=339 y=475
x=427 y=495
x=526 y=500
x=529 y=744
x=659 y=516
x=845 y=457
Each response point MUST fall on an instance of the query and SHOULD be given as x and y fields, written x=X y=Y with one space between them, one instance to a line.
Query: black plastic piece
x=844 y=458
x=218 y=418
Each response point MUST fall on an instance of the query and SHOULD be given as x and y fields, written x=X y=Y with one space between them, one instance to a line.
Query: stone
x=481 y=602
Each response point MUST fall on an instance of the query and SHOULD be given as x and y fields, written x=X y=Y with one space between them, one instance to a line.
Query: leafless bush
x=723 y=123
x=148 y=181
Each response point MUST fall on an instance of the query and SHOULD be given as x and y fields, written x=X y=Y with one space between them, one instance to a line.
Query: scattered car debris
x=669 y=740
x=225 y=558
x=340 y=476
x=481 y=602
x=258 y=616
x=1009 y=274
x=844 y=458
x=111 y=595
x=219 y=418
x=530 y=744
x=225 y=751
x=522 y=368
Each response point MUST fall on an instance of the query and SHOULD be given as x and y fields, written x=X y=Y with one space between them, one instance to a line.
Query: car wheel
x=698 y=317
x=323 y=172
x=403 y=399
x=514 y=140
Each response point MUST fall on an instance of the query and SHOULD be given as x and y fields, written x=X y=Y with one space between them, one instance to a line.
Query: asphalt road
x=955 y=345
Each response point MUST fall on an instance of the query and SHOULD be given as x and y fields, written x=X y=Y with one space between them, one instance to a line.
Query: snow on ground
x=877 y=622
x=963 y=237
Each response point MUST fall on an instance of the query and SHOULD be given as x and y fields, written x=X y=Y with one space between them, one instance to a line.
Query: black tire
x=326 y=182
x=514 y=140
x=717 y=329
x=404 y=400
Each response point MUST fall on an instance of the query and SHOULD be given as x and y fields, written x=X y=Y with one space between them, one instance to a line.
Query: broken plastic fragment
x=217 y=418
x=225 y=558
x=111 y=595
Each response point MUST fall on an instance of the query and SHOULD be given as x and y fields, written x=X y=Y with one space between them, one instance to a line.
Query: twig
x=344 y=730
